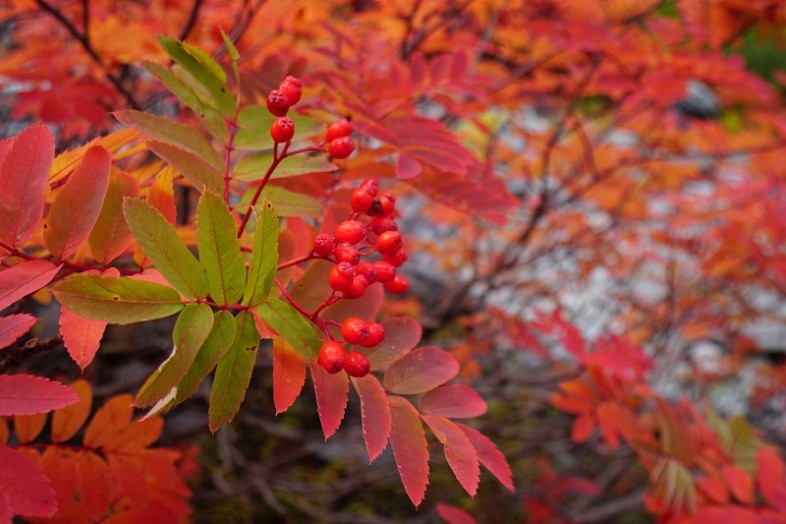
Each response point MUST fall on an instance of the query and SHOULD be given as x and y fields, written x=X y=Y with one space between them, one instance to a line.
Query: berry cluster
x=278 y=103
x=340 y=144
x=354 y=330
x=354 y=240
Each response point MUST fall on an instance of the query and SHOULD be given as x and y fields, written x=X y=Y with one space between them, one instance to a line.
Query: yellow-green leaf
x=219 y=249
x=285 y=320
x=264 y=257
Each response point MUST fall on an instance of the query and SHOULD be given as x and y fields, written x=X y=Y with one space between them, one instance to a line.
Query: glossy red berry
x=368 y=270
x=354 y=330
x=357 y=288
x=350 y=231
x=396 y=259
x=376 y=334
x=338 y=129
x=282 y=130
x=341 y=276
x=361 y=200
x=324 y=244
x=278 y=103
x=345 y=252
x=387 y=204
x=389 y=242
x=398 y=286
x=356 y=364
x=341 y=147
x=332 y=356
x=293 y=88
x=381 y=224
x=385 y=271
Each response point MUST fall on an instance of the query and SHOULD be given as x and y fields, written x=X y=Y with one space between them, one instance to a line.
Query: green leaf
x=219 y=249
x=264 y=257
x=204 y=70
x=220 y=339
x=159 y=240
x=254 y=167
x=201 y=174
x=207 y=113
x=255 y=122
x=287 y=203
x=285 y=320
x=162 y=130
x=117 y=300
x=231 y=49
x=233 y=373
x=191 y=330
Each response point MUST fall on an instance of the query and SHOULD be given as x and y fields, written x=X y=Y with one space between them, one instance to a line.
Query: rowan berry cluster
x=278 y=103
x=354 y=330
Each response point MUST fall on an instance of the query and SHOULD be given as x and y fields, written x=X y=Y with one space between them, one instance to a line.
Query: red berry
x=368 y=270
x=278 y=103
x=397 y=286
x=396 y=259
x=357 y=365
x=354 y=330
x=323 y=245
x=292 y=87
x=357 y=288
x=387 y=204
x=382 y=224
x=341 y=276
x=376 y=334
x=347 y=253
x=385 y=271
x=389 y=242
x=361 y=200
x=341 y=147
x=332 y=356
x=282 y=130
x=338 y=129
x=350 y=231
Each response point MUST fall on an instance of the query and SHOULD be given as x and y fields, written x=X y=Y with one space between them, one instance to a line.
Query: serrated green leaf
x=285 y=320
x=220 y=339
x=159 y=240
x=254 y=133
x=191 y=330
x=254 y=167
x=162 y=130
x=219 y=249
x=264 y=257
x=201 y=174
x=287 y=203
x=233 y=373
x=202 y=69
x=117 y=300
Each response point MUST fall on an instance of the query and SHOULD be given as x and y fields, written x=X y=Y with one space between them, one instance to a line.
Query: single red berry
x=389 y=242
x=398 y=286
x=361 y=200
x=356 y=364
x=345 y=252
x=350 y=231
x=387 y=204
x=323 y=245
x=368 y=270
x=382 y=224
x=278 y=103
x=282 y=130
x=376 y=334
x=357 y=288
x=385 y=271
x=341 y=147
x=340 y=278
x=396 y=259
x=338 y=129
x=293 y=88
x=332 y=356
x=354 y=330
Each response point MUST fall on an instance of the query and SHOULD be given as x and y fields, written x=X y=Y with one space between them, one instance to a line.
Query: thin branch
x=192 y=20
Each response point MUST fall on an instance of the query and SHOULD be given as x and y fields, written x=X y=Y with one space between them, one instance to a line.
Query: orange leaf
x=95 y=484
x=137 y=435
x=740 y=483
x=67 y=421
x=109 y=421
x=28 y=427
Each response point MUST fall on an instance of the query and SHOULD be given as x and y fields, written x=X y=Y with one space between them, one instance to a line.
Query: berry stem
x=300 y=309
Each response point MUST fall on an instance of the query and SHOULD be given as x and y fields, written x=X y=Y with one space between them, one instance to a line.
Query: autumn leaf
x=410 y=449
x=332 y=393
x=375 y=413
x=28 y=395
x=420 y=370
x=24 y=489
x=289 y=374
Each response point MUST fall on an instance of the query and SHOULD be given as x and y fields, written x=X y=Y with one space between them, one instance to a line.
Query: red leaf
x=111 y=236
x=401 y=335
x=95 y=483
x=25 y=278
x=28 y=395
x=81 y=336
x=454 y=515
x=129 y=478
x=455 y=401
x=410 y=449
x=375 y=412
x=489 y=455
x=771 y=475
x=727 y=515
x=289 y=374
x=27 y=490
x=14 y=326
x=59 y=466
x=582 y=429
x=407 y=167
x=421 y=370
x=740 y=483
x=459 y=451
x=332 y=392
x=23 y=176
x=714 y=489
x=75 y=209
